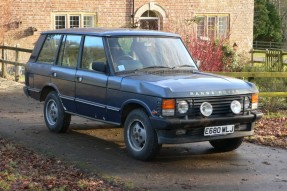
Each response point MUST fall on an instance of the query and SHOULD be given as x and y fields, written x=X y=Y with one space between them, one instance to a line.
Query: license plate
x=219 y=130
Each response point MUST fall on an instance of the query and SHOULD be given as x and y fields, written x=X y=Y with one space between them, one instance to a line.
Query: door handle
x=54 y=74
x=80 y=78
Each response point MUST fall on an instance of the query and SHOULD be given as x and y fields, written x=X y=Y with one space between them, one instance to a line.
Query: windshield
x=137 y=53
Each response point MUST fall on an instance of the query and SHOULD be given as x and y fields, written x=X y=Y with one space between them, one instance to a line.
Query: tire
x=140 y=137
x=56 y=119
x=226 y=145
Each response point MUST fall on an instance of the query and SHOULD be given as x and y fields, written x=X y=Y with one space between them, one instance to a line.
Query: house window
x=212 y=26
x=149 y=20
x=88 y=21
x=73 y=20
x=60 y=22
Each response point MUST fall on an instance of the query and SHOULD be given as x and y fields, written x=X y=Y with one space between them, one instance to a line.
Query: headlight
x=246 y=102
x=206 y=109
x=235 y=107
x=182 y=106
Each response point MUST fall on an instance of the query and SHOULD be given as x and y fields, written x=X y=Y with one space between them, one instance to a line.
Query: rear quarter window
x=49 y=49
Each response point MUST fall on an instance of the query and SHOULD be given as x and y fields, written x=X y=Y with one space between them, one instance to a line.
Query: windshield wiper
x=186 y=65
x=151 y=67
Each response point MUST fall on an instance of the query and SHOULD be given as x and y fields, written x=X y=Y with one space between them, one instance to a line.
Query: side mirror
x=99 y=66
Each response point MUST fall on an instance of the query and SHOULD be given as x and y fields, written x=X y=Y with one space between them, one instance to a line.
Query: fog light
x=235 y=107
x=181 y=132
x=206 y=109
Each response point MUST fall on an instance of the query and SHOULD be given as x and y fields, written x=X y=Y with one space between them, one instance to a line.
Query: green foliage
x=272 y=85
x=267 y=23
x=230 y=59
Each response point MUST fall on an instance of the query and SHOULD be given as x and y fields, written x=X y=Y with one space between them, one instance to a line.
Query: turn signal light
x=254 y=101
x=254 y=98
x=168 y=107
x=168 y=104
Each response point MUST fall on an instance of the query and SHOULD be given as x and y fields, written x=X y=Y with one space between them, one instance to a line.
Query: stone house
x=201 y=19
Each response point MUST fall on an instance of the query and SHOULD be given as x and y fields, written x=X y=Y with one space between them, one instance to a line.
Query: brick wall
x=117 y=13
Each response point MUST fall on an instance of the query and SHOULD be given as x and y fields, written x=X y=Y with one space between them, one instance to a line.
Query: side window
x=49 y=49
x=93 y=52
x=69 y=51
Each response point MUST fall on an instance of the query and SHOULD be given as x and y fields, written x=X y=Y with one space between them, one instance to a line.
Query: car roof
x=111 y=32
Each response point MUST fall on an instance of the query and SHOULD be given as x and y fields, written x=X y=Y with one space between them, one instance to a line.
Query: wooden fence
x=272 y=60
x=263 y=45
x=247 y=75
x=4 y=60
x=251 y=75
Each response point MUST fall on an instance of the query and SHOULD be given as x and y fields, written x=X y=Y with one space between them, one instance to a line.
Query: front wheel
x=225 y=145
x=56 y=119
x=140 y=137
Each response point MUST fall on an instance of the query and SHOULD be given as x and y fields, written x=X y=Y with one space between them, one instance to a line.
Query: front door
x=91 y=86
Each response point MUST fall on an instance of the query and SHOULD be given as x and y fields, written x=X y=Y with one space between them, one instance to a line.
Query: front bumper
x=167 y=128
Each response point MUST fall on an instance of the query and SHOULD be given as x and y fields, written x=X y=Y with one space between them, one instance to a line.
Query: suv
x=145 y=81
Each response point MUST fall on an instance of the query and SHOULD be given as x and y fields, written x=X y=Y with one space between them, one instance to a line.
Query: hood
x=186 y=85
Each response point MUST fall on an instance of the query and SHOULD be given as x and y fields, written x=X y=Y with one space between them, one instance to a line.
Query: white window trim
x=216 y=15
x=83 y=20
x=60 y=15
x=69 y=20
x=67 y=16
x=152 y=6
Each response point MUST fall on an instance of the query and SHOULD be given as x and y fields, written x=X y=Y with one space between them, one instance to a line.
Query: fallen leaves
x=22 y=169
x=271 y=130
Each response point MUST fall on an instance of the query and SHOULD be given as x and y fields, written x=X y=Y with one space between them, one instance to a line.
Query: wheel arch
x=46 y=90
x=132 y=105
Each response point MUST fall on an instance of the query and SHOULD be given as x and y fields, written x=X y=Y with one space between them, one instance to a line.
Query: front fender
x=136 y=102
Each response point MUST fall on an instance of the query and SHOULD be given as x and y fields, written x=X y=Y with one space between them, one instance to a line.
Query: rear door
x=63 y=73
x=38 y=73
x=91 y=85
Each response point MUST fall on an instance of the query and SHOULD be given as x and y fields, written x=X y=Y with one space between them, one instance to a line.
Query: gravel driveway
x=99 y=148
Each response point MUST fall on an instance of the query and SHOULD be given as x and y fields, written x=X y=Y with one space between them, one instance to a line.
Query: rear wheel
x=225 y=145
x=55 y=117
x=140 y=137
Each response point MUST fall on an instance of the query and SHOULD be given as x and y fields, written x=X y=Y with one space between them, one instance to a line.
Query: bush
x=214 y=55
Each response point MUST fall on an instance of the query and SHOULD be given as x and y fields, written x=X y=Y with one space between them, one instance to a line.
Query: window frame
x=55 y=20
x=73 y=20
x=83 y=50
x=56 y=52
x=60 y=56
x=149 y=17
x=68 y=16
x=206 y=28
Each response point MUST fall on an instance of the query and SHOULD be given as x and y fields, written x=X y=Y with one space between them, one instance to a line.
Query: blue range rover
x=145 y=81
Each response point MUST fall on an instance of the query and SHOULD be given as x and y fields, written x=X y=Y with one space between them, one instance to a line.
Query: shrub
x=214 y=55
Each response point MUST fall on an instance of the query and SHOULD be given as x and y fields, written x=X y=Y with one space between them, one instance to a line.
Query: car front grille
x=221 y=105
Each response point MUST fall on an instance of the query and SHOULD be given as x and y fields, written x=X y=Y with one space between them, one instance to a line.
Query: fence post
x=3 y=63
x=252 y=57
x=17 y=76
